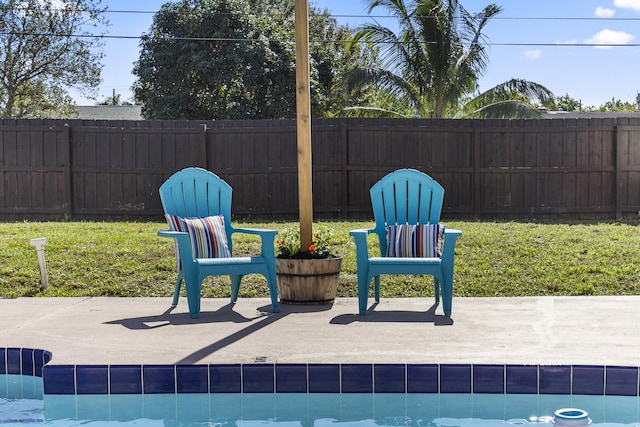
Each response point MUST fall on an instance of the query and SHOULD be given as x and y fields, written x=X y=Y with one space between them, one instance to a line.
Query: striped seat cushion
x=207 y=235
x=420 y=241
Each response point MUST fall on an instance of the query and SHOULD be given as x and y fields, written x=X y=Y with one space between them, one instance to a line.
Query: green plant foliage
x=288 y=243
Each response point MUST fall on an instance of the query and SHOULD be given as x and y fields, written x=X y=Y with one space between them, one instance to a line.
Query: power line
x=236 y=40
x=500 y=18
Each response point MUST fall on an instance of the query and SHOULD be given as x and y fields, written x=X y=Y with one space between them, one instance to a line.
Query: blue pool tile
x=26 y=356
x=455 y=378
x=225 y=378
x=588 y=380
x=522 y=379
x=389 y=378
x=291 y=378
x=92 y=379
x=324 y=378
x=258 y=378
x=59 y=379
x=422 y=378
x=555 y=379
x=488 y=379
x=621 y=381
x=3 y=361
x=192 y=378
x=125 y=379
x=38 y=362
x=158 y=379
x=14 y=360
x=357 y=378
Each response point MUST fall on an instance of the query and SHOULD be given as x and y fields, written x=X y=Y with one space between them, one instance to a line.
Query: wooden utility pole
x=303 y=124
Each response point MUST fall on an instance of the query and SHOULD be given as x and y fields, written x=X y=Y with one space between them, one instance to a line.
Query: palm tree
x=434 y=62
x=511 y=99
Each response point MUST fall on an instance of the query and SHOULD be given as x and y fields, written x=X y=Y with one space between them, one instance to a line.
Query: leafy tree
x=508 y=100
x=115 y=99
x=616 y=105
x=431 y=67
x=234 y=59
x=44 y=51
x=567 y=103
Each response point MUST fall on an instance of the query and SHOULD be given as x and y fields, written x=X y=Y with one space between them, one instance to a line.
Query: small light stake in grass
x=39 y=244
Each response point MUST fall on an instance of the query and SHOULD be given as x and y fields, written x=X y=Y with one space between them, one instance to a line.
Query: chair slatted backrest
x=197 y=193
x=406 y=196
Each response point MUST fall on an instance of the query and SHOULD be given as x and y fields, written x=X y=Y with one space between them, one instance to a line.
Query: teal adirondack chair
x=405 y=197
x=196 y=194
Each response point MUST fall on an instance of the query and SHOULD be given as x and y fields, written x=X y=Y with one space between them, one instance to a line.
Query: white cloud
x=627 y=4
x=533 y=54
x=602 y=12
x=609 y=37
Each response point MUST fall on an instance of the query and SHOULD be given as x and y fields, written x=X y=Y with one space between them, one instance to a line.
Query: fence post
x=68 y=176
x=619 y=156
x=203 y=147
x=475 y=140
x=344 y=171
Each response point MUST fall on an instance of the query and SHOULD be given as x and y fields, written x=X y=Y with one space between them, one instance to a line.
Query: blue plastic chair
x=406 y=196
x=198 y=193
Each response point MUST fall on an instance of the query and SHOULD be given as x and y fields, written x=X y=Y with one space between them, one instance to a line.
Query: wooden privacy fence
x=52 y=170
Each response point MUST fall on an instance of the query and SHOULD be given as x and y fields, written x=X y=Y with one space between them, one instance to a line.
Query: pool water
x=23 y=404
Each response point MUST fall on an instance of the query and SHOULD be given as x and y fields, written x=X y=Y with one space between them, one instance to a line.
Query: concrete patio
x=535 y=330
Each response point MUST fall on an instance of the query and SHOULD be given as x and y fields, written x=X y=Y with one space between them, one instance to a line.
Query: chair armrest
x=182 y=239
x=257 y=231
x=450 y=237
x=267 y=238
x=170 y=233
x=360 y=238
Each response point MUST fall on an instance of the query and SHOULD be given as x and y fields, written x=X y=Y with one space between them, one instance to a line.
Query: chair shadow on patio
x=221 y=315
x=395 y=316
x=224 y=314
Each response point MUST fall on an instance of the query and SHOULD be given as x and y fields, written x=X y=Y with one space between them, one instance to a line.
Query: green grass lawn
x=492 y=259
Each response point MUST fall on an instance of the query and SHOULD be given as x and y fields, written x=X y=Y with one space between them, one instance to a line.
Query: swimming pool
x=312 y=409
x=319 y=394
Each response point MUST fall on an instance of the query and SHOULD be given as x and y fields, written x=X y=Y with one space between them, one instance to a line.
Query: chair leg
x=193 y=298
x=447 y=296
x=176 y=293
x=436 y=289
x=376 y=288
x=272 y=281
x=235 y=286
x=363 y=294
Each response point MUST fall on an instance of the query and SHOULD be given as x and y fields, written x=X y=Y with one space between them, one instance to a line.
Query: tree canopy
x=46 y=49
x=234 y=59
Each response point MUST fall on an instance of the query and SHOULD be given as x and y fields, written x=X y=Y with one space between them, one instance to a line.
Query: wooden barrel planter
x=308 y=281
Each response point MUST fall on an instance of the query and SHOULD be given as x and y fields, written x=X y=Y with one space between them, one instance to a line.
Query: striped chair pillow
x=207 y=235
x=420 y=241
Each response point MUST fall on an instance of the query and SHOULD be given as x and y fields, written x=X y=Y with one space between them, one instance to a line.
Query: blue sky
x=560 y=44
